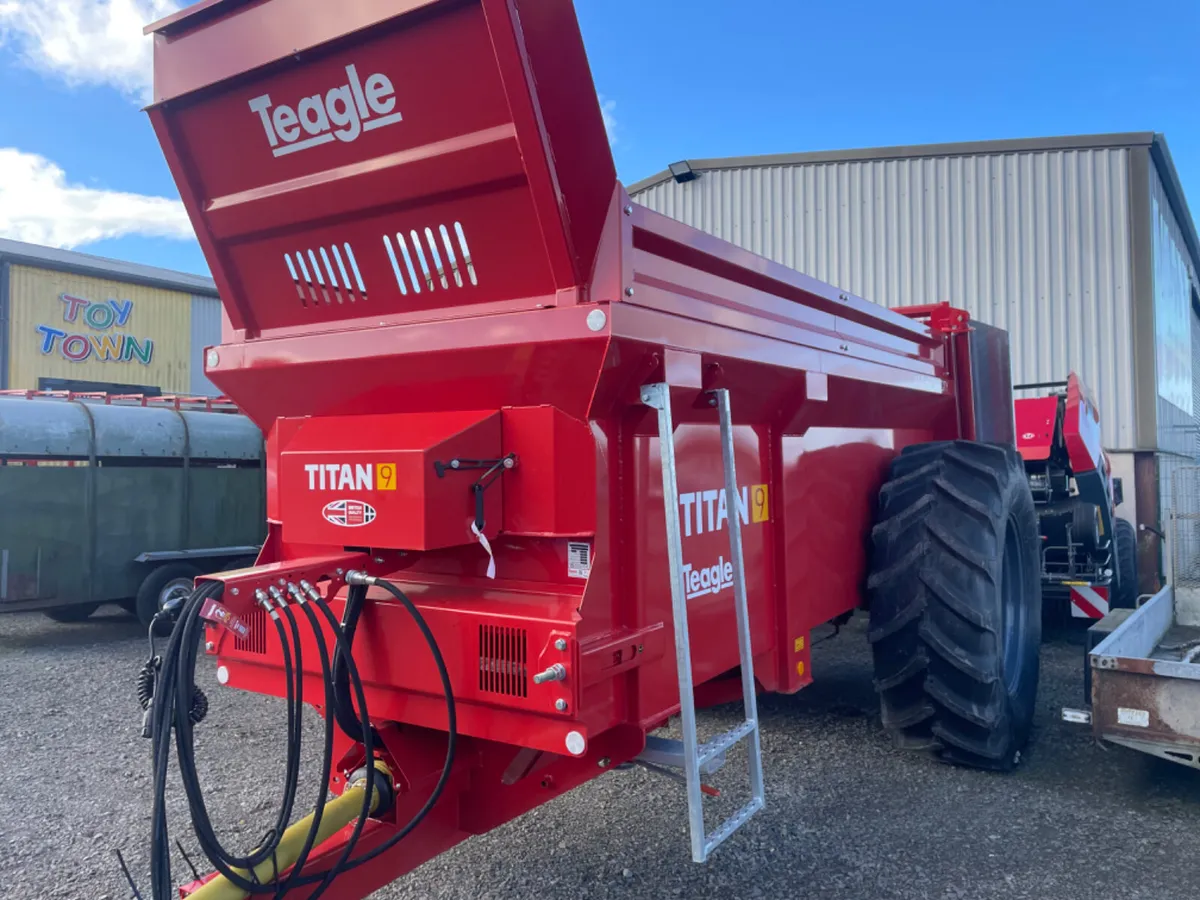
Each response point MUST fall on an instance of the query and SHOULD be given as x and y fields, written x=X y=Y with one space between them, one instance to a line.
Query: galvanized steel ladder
x=701 y=758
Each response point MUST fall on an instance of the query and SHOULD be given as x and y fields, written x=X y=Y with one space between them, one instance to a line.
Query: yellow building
x=71 y=321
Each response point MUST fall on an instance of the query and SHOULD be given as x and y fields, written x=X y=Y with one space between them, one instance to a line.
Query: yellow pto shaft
x=339 y=813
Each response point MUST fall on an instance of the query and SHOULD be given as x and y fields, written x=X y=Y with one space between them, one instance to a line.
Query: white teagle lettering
x=708 y=580
x=343 y=112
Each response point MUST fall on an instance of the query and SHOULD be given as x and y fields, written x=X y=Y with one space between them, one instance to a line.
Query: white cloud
x=610 y=119
x=93 y=42
x=39 y=205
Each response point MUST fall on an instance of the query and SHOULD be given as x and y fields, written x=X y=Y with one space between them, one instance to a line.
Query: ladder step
x=710 y=750
x=732 y=824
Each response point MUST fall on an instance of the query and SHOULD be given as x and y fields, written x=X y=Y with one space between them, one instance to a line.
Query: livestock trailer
x=547 y=469
x=122 y=500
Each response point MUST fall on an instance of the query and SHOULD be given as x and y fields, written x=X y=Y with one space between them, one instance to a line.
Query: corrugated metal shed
x=206 y=332
x=1035 y=236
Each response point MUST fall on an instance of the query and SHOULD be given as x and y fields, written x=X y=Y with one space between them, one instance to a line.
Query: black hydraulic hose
x=161 y=717
x=451 y=728
x=177 y=682
x=327 y=760
x=345 y=652
x=186 y=752
x=344 y=711
x=343 y=692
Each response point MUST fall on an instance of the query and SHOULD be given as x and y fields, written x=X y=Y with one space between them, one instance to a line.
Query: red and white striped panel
x=1089 y=602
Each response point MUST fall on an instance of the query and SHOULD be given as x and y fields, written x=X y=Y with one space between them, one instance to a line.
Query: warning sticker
x=1139 y=718
x=579 y=560
x=214 y=611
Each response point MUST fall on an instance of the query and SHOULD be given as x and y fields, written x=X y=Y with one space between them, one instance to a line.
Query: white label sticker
x=579 y=560
x=1137 y=717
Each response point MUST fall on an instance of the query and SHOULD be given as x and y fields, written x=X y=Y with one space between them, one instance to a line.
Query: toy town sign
x=108 y=345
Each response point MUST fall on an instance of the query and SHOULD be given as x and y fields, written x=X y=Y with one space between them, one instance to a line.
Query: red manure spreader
x=547 y=469
x=1089 y=554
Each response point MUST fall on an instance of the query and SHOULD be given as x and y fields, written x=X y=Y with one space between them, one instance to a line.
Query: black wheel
x=162 y=584
x=68 y=614
x=1085 y=525
x=956 y=602
x=1125 y=579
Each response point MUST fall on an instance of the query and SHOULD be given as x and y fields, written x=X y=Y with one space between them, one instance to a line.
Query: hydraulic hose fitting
x=355 y=577
x=261 y=597
x=295 y=593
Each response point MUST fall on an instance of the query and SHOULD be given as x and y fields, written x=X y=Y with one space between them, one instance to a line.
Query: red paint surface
x=582 y=297
x=1035 y=418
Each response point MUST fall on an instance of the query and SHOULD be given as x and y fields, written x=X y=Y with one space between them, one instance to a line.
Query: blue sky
x=78 y=160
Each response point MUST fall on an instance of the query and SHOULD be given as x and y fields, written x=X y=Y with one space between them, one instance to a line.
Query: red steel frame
x=582 y=297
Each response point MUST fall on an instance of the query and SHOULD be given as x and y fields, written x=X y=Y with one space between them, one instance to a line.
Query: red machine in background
x=1089 y=554
x=546 y=468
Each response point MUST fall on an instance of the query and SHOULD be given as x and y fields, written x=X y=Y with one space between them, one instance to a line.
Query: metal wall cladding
x=206 y=332
x=1176 y=283
x=52 y=335
x=1033 y=242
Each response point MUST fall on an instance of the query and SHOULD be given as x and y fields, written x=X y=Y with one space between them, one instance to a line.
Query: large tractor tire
x=956 y=602
x=1125 y=580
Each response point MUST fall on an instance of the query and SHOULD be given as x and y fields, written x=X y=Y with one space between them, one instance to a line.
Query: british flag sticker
x=349 y=513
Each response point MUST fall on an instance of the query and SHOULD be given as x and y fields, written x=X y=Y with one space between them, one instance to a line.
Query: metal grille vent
x=503 y=657
x=256 y=640
x=423 y=267
x=317 y=279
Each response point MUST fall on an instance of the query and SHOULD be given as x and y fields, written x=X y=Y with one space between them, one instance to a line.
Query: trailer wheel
x=160 y=586
x=68 y=614
x=956 y=597
x=1125 y=583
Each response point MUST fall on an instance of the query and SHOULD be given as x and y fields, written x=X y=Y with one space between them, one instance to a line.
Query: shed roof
x=1155 y=141
x=101 y=267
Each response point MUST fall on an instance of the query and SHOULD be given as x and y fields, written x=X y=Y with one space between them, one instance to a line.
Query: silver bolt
x=509 y=462
x=712 y=401
x=212 y=358
x=560 y=644
x=628 y=292
x=379 y=560
x=560 y=704
x=604 y=762
x=233 y=591
x=454 y=463
x=282 y=582
x=210 y=646
x=557 y=672
x=629 y=210
x=339 y=571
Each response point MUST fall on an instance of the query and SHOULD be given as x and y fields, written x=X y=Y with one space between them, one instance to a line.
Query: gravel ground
x=847 y=818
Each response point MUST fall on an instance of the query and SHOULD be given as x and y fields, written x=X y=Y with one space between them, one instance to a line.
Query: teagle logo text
x=344 y=113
